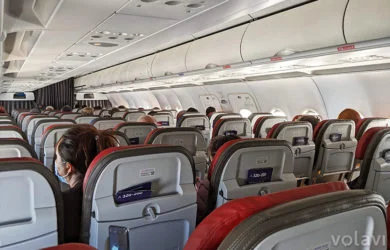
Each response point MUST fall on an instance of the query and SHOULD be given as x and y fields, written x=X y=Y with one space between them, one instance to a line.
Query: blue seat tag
x=134 y=141
x=335 y=137
x=259 y=175
x=230 y=132
x=134 y=193
x=301 y=140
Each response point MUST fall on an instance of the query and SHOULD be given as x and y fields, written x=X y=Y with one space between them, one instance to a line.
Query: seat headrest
x=365 y=140
x=291 y=130
x=133 y=124
x=225 y=218
x=265 y=123
x=19 y=145
x=322 y=127
x=241 y=126
x=366 y=123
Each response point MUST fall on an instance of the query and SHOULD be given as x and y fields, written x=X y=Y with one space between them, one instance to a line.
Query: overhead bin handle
x=286 y=52
x=211 y=66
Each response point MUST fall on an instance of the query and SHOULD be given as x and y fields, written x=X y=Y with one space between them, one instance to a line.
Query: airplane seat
x=164 y=120
x=132 y=116
x=5 y=117
x=71 y=246
x=213 y=115
x=225 y=218
x=223 y=116
x=53 y=113
x=25 y=120
x=254 y=116
x=366 y=123
x=85 y=119
x=12 y=132
x=21 y=117
x=5 y=123
x=105 y=113
x=373 y=155
x=335 y=147
x=97 y=112
x=32 y=209
x=121 y=138
x=39 y=129
x=47 y=112
x=15 y=148
x=136 y=132
x=119 y=114
x=50 y=137
x=31 y=124
x=264 y=123
x=143 y=194
x=71 y=116
x=247 y=167
x=316 y=223
x=75 y=110
x=189 y=138
x=198 y=121
x=59 y=114
x=233 y=126
x=104 y=123
x=300 y=135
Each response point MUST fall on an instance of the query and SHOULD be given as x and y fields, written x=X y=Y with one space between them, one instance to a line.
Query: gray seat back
x=164 y=119
x=26 y=120
x=254 y=116
x=335 y=147
x=49 y=139
x=71 y=116
x=248 y=167
x=136 y=132
x=310 y=223
x=264 y=124
x=132 y=116
x=121 y=138
x=32 y=123
x=300 y=135
x=11 y=131
x=168 y=212
x=40 y=128
x=85 y=119
x=238 y=126
x=15 y=148
x=198 y=121
x=105 y=113
x=119 y=114
x=97 y=112
x=367 y=123
x=32 y=217
x=106 y=123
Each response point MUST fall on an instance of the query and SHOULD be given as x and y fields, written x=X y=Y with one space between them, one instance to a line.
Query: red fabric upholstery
x=317 y=129
x=71 y=246
x=19 y=159
x=364 y=141
x=257 y=123
x=54 y=126
x=215 y=129
x=215 y=227
x=296 y=118
x=271 y=131
x=151 y=134
x=107 y=152
x=359 y=124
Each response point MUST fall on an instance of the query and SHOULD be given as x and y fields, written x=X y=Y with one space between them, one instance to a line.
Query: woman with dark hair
x=74 y=152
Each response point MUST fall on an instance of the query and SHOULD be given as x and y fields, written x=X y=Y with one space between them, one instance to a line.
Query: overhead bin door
x=140 y=68
x=367 y=20
x=170 y=61
x=219 y=49
x=311 y=26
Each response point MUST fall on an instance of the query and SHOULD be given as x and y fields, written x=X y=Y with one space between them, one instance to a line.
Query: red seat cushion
x=317 y=129
x=151 y=134
x=257 y=123
x=214 y=228
x=365 y=141
x=271 y=131
x=359 y=124
x=71 y=246
x=215 y=128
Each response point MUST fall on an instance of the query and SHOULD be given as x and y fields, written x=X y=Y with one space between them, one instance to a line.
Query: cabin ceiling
x=51 y=40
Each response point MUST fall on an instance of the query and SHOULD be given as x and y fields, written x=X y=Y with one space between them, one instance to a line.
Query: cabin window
x=277 y=112
x=245 y=113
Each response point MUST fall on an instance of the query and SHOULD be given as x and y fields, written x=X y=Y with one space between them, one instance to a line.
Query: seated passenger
x=2 y=110
x=113 y=110
x=49 y=108
x=83 y=106
x=35 y=110
x=87 y=111
x=147 y=118
x=192 y=110
x=314 y=120
x=121 y=107
x=66 y=108
x=350 y=114
x=202 y=187
x=180 y=117
x=74 y=153
x=152 y=113
x=210 y=111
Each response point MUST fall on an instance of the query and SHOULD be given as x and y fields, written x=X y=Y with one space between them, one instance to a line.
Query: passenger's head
x=77 y=148
x=49 y=108
x=2 y=110
x=314 y=120
x=114 y=110
x=87 y=111
x=77 y=106
x=192 y=110
x=121 y=107
x=35 y=110
x=217 y=142
x=350 y=114
x=66 y=108
x=210 y=111
x=83 y=106
x=147 y=118
x=152 y=113
x=97 y=107
x=156 y=108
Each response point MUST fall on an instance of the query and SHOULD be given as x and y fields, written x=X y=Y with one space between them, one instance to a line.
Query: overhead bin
x=311 y=26
x=140 y=68
x=171 y=61
x=218 y=49
x=367 y=20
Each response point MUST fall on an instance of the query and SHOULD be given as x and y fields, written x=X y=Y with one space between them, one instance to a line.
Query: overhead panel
x=170 y=61
x=311 y=26
x=367 y=20
x=216 y=50
x=140 y=69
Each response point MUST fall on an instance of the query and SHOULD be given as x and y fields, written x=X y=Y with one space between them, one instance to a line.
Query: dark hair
x=152 y=113
x=314 y=120
x=83 y=106
x=113 y=110
x=35 y=110
x=66 y=108
x=97 y=107
x=2 y=110
x=218 y=141
x=80 y=145
x=192 y=110
x=210 y=110
x=77 y=106
x=121 y=107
